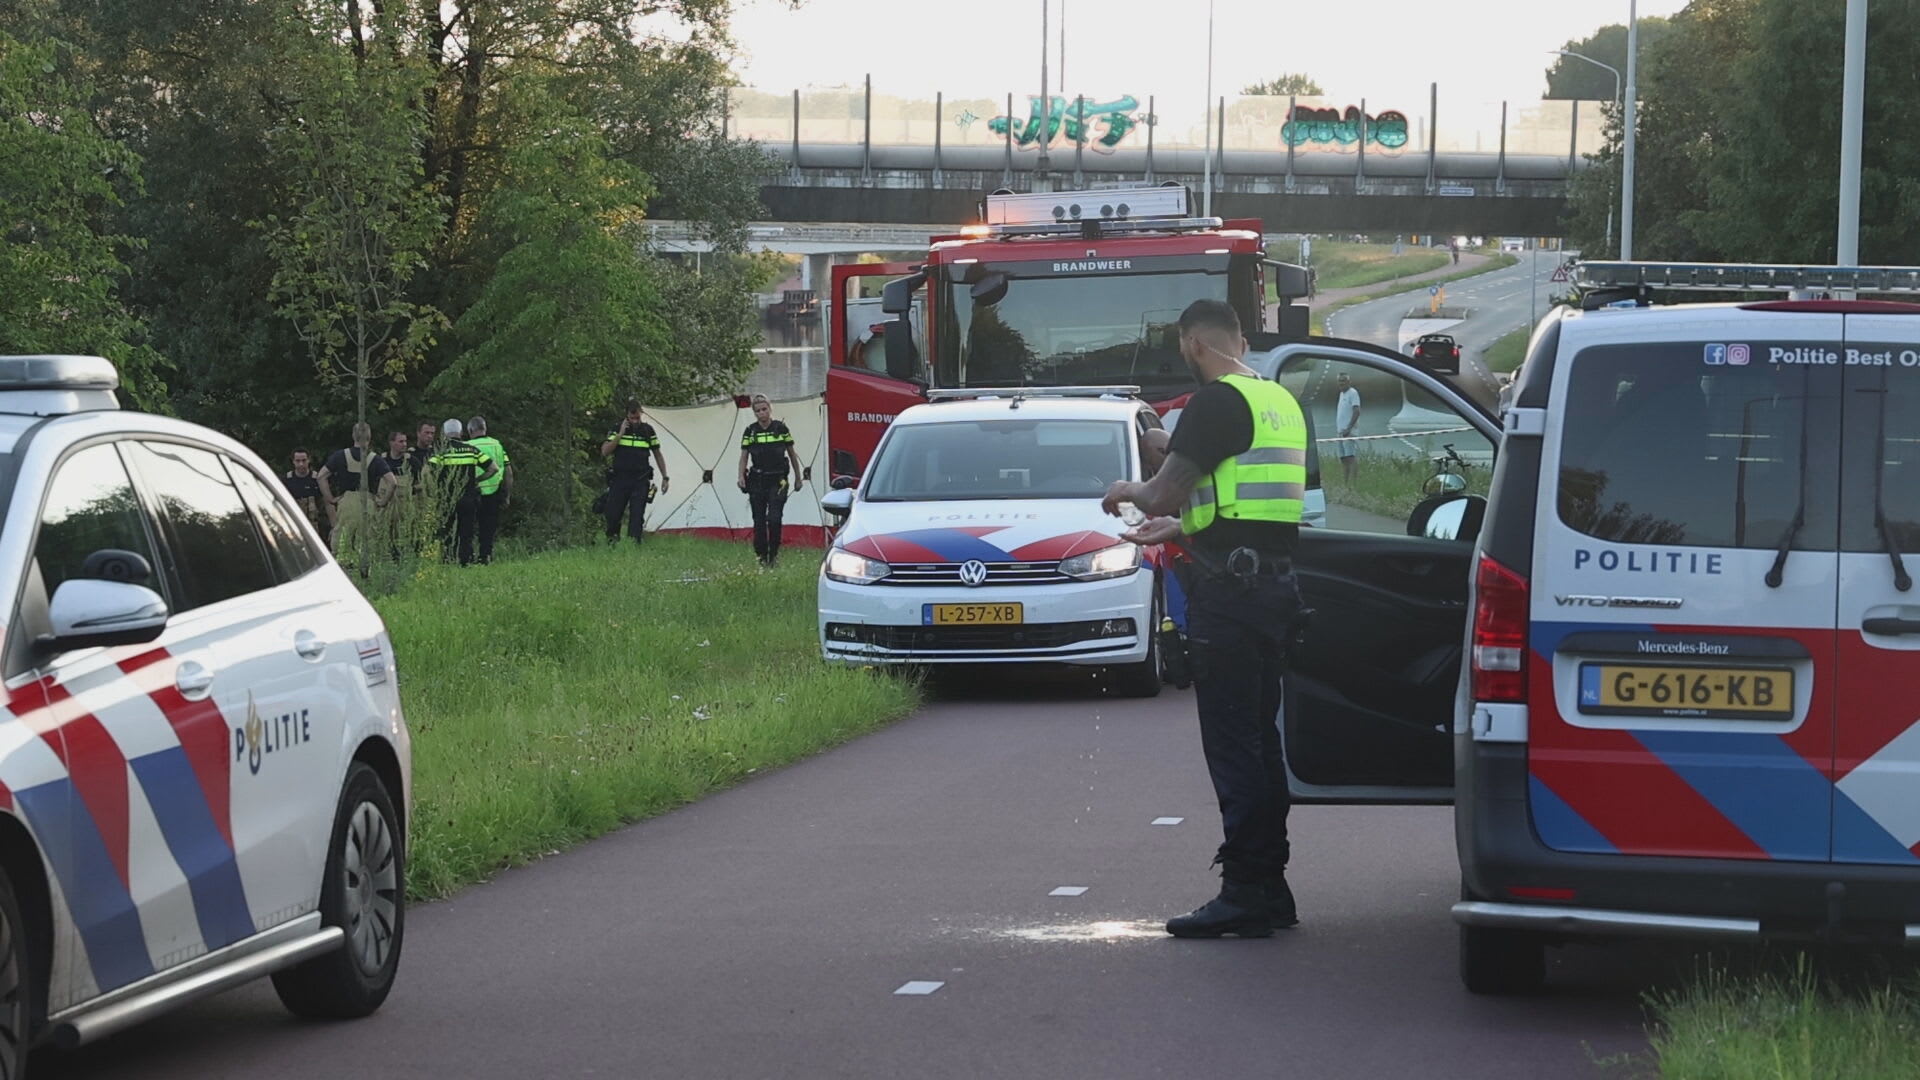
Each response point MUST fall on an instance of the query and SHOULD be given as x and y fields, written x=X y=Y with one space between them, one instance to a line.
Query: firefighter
x=403 y=479
x=358 y=474
x=766 y=453
x=458 y=468
x=496 y=490
x=1236 y=472
x=632 y=450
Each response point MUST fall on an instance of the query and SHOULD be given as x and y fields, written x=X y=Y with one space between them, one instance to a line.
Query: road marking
x=1168 y=820
x=1069 y=890
x=919 y=987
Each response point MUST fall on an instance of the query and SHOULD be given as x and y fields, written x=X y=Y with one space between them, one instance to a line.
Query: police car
x=204 y=771
x=1681 y=695
x=976 y=535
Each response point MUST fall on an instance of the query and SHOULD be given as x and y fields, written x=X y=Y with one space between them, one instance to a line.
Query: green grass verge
x=1391 y=486
x=1318 y=322
x=1505 y=355
x=1344 y=266
x=557 y=697
x=1790 y=1027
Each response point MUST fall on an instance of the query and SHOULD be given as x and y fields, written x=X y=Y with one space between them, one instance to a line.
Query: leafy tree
x=1576 y=79
x=59 y=267
x=360 y=219
x=1289 y=83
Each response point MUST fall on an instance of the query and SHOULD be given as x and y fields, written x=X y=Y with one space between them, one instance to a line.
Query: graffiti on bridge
x=1114 y=120
x=1331 y=126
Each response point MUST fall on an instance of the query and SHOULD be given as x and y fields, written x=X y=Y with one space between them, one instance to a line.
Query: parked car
x=1440 y=352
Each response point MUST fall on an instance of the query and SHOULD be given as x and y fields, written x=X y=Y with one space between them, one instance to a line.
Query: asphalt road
x=764 y=932
x=1496 y=303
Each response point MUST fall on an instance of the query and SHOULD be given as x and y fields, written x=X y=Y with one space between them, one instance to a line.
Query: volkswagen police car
x=204 y=771
x=976 y=535
x=1669 y=678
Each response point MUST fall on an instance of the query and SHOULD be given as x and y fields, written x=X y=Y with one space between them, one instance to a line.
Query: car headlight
x=844 y=565
x=1116 y=561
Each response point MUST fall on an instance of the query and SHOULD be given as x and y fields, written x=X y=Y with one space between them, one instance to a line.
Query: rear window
x=1000 y=459
x=1661 y=447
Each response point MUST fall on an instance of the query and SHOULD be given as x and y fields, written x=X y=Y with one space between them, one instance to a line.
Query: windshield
x=1000 y=459
x=1073 y=330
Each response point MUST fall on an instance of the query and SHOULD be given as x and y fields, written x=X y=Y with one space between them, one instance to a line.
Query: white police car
x=976 y=535
x=204 y=771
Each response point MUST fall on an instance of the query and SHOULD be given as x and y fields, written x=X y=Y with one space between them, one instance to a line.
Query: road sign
x=1559 y=273
x=1453 y=189
x=1433 y=290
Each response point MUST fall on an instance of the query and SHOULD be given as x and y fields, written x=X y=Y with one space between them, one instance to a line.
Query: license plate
x=1662 y=690
x=969 y=614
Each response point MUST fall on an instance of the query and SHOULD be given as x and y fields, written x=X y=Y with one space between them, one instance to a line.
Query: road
x=764 y=931
x=1496 y=303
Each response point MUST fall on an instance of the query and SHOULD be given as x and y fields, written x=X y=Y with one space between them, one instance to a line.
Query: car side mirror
x=89 y=612
x=903 y=356
x=990 y=289
x=1448 y=517
x=838 y=502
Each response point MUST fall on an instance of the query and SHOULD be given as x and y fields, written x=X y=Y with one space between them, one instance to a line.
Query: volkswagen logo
x=973 y=572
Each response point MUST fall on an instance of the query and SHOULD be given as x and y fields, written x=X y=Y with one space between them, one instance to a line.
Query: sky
x=1386 y=51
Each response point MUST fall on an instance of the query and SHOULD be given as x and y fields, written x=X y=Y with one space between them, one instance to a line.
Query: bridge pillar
x=816 y=273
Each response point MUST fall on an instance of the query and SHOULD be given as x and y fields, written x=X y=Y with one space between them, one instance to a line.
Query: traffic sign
x=1433 y=290
x=1559 y=273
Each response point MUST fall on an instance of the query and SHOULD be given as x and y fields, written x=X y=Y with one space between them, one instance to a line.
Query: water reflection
x=793 y=356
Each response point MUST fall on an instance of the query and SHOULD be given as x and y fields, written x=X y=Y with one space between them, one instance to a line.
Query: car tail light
x=1499 y=634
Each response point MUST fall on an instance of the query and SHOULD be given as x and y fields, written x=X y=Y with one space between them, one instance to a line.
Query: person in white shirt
x=1346 y=421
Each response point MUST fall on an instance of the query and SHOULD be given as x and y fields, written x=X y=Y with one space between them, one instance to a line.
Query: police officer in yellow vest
x=455 y=473
x=495 y=490
x=1236 y=473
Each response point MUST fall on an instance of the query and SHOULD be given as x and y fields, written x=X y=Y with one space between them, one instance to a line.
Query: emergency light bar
x=975 y=393
x=1040 y=207
x=1106 y=227
x=1747 y=277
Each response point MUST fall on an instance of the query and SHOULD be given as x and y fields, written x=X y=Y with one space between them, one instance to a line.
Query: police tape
x=1403 y=437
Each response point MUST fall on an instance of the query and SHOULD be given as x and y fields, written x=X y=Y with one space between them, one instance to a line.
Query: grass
x=1318 y=323
x=1505 y=354
x=1344 y=266
x=558 y=697
x=1795 y=1026
x=1390 y=486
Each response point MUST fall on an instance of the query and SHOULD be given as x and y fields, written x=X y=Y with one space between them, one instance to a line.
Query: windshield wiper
x=1777 y=573
x=1880 y=523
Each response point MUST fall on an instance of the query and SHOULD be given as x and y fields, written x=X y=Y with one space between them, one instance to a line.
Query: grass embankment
x=1344 y=266
x=1792 y=1027
x=556 y=697
x=1318 y=322
x=1505 y=354
x=1391 y=486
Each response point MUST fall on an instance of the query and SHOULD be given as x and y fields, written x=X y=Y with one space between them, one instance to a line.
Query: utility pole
x=1633 y=95
x=1853 y=82
x=1044 y=100
x=1206 y=199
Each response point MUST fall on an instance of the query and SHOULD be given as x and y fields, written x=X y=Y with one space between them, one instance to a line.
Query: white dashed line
x=1168 y=820
x=918 y=988
x=1069 y=890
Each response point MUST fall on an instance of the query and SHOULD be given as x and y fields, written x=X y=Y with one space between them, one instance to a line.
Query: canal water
x=793 y=356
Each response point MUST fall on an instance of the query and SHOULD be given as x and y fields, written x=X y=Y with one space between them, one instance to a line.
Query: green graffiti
x=1310 y=125
x=1078 y=117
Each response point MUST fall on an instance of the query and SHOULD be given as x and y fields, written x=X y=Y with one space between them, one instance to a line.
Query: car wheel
x=1499 y=961
x=1144 y=679
x=363 y=893
x=17 y=990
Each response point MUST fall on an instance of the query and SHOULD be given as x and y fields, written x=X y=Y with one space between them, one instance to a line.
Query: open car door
x=866 y=387
x=1406 y=461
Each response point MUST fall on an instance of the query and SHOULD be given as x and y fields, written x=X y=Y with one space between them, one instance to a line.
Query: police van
x=976 y=536
x=204 y=770
x=1671 y=682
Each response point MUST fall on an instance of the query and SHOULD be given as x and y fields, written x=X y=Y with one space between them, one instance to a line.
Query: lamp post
x=1633 y=96
x=1616 y=102
x=1206 y=199
x=1854 y=84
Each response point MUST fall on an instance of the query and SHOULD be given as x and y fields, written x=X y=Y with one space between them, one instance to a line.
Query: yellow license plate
x=970 y=614
x=1664 y=690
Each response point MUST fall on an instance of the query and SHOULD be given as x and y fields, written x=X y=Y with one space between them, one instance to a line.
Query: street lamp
x=1625 y=217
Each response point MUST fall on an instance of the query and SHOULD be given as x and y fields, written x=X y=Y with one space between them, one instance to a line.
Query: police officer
x=634 y=449
x=1236 y=472
x=495 y=490
x=304 y=486
x=766 y=451
x=458 y=468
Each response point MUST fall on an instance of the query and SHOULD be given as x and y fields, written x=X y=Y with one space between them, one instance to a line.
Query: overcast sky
x=1386 y=51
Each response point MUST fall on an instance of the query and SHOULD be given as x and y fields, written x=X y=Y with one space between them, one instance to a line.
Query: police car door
x=1677 y=678
x=1369 y=703
x=1877 y=721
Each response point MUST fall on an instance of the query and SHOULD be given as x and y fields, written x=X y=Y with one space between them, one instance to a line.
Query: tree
x=1291 y=83
x=1576 y=79
x=361 y=221
x=59 y=267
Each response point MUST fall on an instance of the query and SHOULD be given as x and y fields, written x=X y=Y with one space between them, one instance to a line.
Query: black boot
x=1241 y=908
x=1280 y=910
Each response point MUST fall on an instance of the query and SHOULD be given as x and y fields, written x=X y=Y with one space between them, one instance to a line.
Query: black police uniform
x=628 y=487
x=456 y=477
x=306 y=492
x=1239 y=626
x=768 y=477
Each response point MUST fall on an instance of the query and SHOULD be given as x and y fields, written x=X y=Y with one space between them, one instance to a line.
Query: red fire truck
x=1072 y=288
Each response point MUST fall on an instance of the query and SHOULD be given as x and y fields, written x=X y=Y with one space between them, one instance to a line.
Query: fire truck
x=1073 y=288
